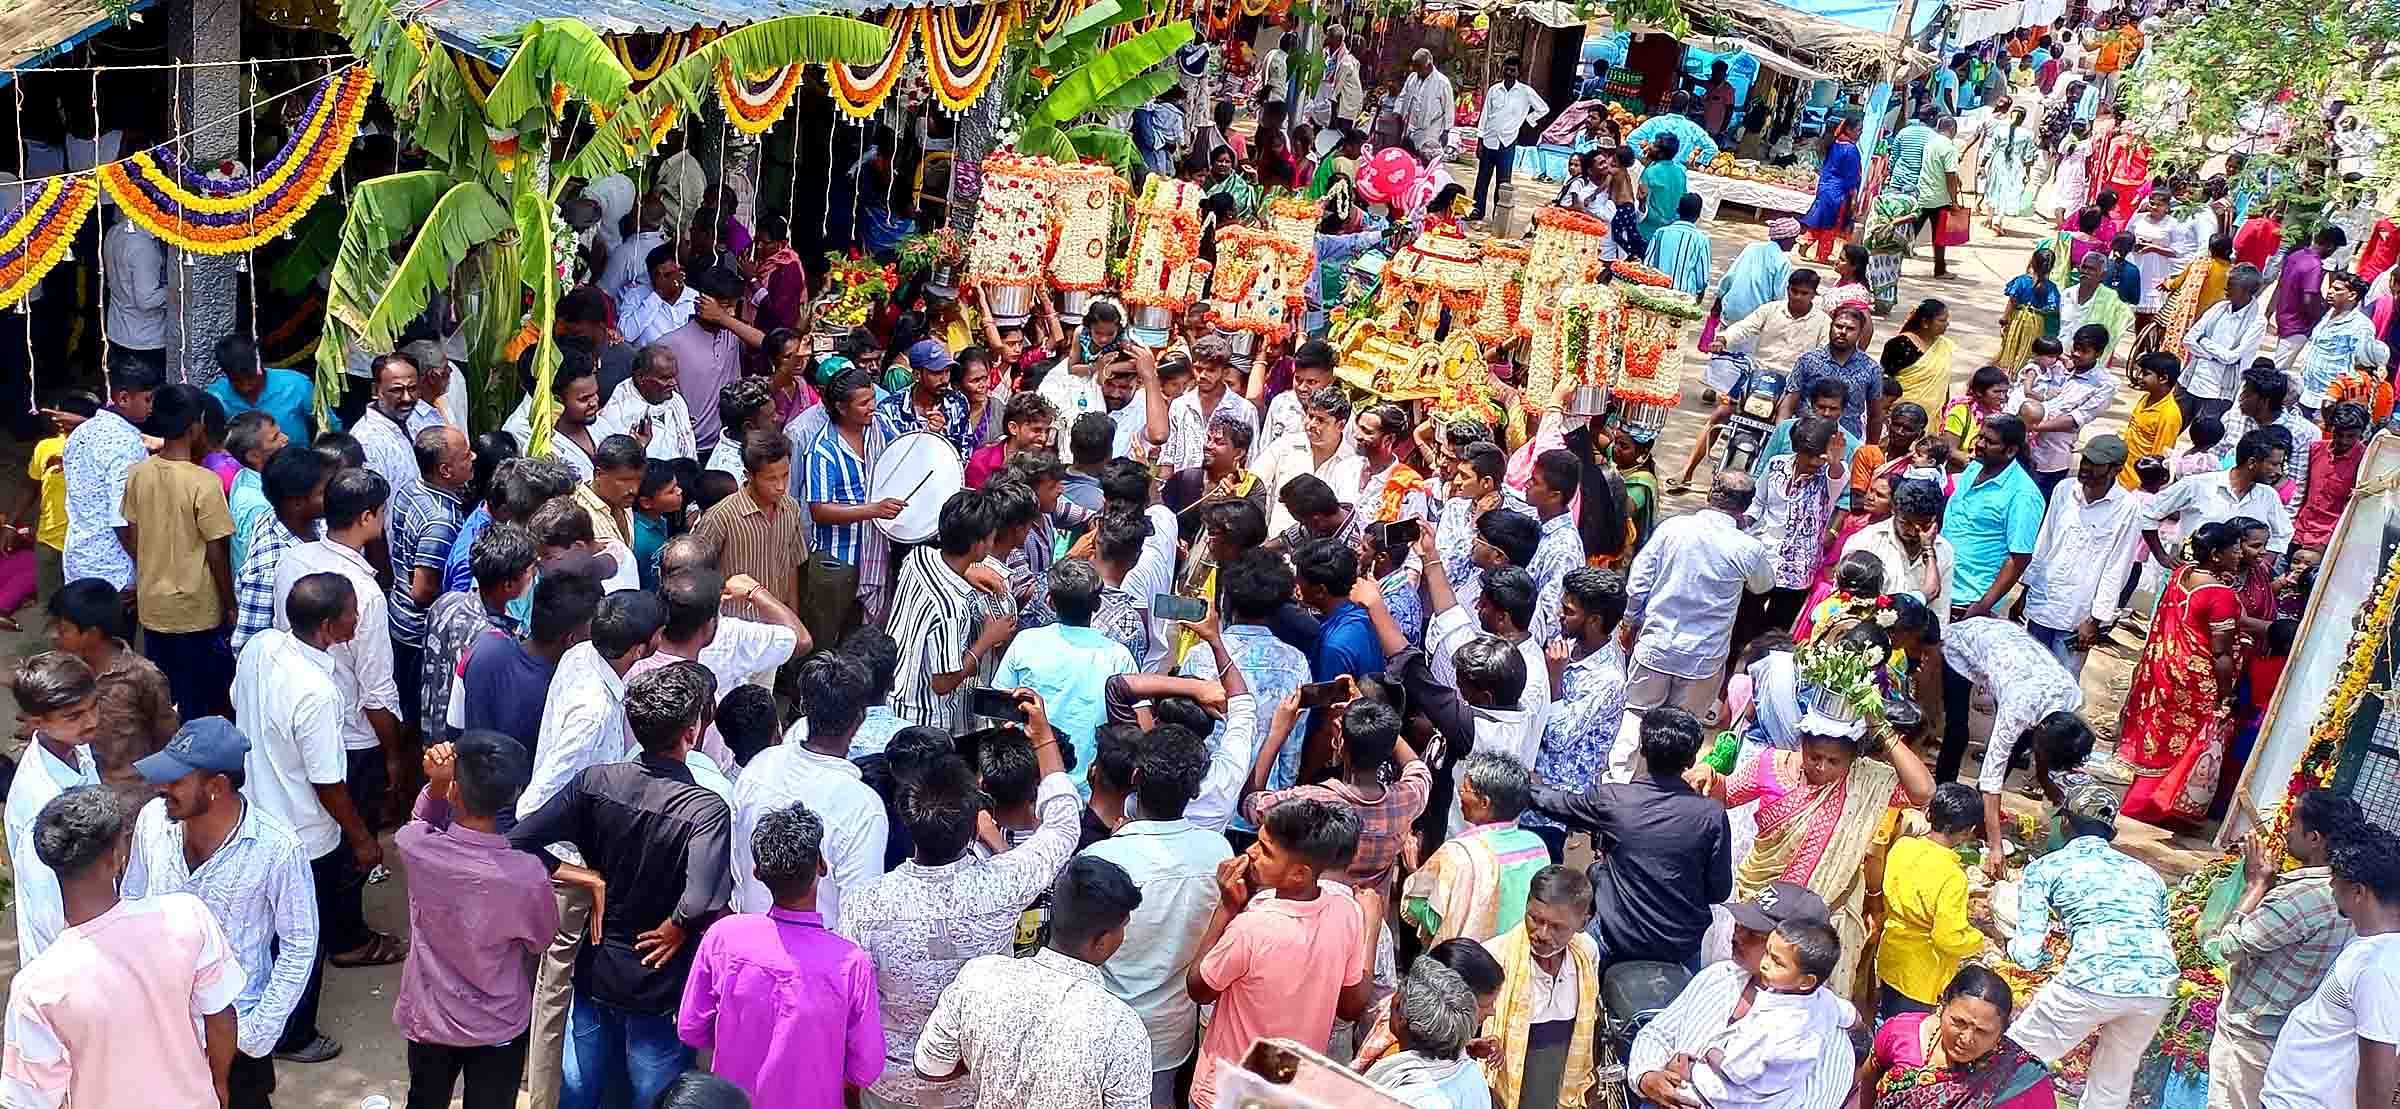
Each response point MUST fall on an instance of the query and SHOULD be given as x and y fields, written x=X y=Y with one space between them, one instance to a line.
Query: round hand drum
x=921 y=469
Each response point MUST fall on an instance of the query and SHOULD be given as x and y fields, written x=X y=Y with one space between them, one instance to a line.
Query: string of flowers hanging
x=962 y=50
x=753 y=102
x=209 y=211
x=860 y=90
x=36 y=234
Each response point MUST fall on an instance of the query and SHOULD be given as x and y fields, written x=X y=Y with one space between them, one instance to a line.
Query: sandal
x=318 y=1050
x=1679 y=488
x=383 y=950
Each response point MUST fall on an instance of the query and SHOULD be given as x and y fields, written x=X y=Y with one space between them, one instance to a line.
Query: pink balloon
x=1387 y=175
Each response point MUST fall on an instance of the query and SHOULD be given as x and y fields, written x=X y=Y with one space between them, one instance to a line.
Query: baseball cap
x=210 y=743
x=1779 y=902
x=2105 y=450
x=2088 y=802
x=929 y=354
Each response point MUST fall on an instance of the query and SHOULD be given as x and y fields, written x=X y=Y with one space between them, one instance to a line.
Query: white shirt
x=726 y=458
x=1042 y=1031
x=1453 y=628
x=583 y=725
x=614 y=194
x=259 y=887
x=2085 y=550
x=1506 y=110
x=1219 y=795
x=1705 y=1008
x=856 y=828
x=1291 y=457
x=1902 y=574
x=645 y=317
x=1285 y=419
x=390 y=453
x=1187 y=426
x=1685 y=587
x=671 y=435
x=41 y=777
x=562 y=449
x=1427 y=109
x=2025 y=680
x=2315 y=1065
x=362 y=668
x=1152 y=574
x=292 y=708
x=2220 y=346
x=1774 y=338
x=137 y=286
x=1174 y=864
x=2208 y=498
x=628 y=266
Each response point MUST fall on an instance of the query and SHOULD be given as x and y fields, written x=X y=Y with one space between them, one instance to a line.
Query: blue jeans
x=618 y=1058
x=2060 y=644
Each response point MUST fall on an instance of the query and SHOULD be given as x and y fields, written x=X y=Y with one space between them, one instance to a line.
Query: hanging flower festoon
x=207 y=214
x=753 y=102
x=962 y=50
x=37 y=234
x=861 y=89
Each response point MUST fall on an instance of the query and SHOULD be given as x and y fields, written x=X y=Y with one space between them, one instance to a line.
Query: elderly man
x=1682 y=595
x=1545 y=1015
x=649 y=400
x=1432 y=1019
x=2220 y=345
x=1427 y=107
x=1722 y=993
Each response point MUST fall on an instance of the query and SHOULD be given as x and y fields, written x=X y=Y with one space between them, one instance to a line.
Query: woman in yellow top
x=1920 y=356
x=1926 y=930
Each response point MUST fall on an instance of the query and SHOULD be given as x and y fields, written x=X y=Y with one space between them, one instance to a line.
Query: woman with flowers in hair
x=1822 y=806
x=2172 y=727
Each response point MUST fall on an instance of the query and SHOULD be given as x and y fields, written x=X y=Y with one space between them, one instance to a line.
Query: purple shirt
x=787 y=1006
x=709 y=361
x=2299 y=293
x=477 y=908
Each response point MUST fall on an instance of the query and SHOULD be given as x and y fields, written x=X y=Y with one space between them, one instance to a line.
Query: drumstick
x=920 y=485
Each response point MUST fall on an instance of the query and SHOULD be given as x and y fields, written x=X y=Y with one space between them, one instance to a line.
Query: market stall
x=1762 y=188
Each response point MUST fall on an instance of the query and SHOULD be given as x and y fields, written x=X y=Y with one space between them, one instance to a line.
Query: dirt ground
x=357 y=1003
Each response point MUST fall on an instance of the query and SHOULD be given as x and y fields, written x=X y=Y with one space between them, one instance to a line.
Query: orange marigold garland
x=960 y=59
x=208 y=215
x=754 y=102
x=860 y=90
x=37 y=234
x=1628 y=270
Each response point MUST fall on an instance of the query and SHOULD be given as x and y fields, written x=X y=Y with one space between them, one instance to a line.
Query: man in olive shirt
x=175 y=521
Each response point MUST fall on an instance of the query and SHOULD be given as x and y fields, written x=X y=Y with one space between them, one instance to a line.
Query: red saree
x=2173 y=726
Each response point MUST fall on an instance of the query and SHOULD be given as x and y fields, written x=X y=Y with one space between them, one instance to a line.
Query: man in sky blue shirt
x=1069 y=662
x=287 y=395
x=1680 y=249
x=1993 y=522
x=1677 y=121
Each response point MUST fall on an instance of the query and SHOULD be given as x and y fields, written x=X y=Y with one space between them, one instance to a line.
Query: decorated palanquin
x=1649 y=337
x=1499 y=322
x=1420 y=340
x=1564 y=255
x=1010 y=247
x=1084 y=215
x=1254 y=290
x=1163 y=270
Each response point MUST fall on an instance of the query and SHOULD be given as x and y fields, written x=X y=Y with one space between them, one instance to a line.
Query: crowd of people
x=1221 y=705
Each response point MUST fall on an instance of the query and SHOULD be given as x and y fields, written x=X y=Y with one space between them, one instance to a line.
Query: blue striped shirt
x=897 y=415
x=1680 y=250
x=838 y=475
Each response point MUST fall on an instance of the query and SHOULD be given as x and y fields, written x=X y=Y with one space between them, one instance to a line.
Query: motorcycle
x=1632 y=994
x=1747 y=429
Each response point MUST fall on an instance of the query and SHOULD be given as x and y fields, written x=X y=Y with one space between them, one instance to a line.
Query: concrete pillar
x=203 y=288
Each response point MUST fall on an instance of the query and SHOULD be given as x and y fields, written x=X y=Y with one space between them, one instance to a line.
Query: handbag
x=1952 y=226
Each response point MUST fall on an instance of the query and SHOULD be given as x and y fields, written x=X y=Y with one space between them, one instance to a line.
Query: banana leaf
x=314 y=245
x=1106 y=144
x=1099 y=14
x=539 y=273
x=370 y=297
x=814 y=39
x=1045 y=141
x=1137 y=92
x=553 y=52
x=1082 y=90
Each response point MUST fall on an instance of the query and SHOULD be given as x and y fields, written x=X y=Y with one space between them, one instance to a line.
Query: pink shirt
x=477 y=909
x=107 y=1015
x=1281 y=966
x=787 y=1006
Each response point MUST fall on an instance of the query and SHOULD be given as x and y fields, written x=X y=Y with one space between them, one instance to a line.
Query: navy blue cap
x=210 y=743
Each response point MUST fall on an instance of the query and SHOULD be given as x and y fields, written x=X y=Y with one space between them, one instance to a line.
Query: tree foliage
x=2238 y=74
x=1069 y=75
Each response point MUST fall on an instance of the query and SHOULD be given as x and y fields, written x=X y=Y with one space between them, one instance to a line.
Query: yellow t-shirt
x=1926 y=933
x=2152 y=430
x=47 y=469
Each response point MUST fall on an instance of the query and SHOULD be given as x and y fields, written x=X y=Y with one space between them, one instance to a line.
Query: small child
x=1986 y=396
x=657 y=516
x=2207 y=433
x=1856 y=581
x=48 y=469
x=2156 y=418
x=1926 y=930
x=1771 y=1050
x=460 y=868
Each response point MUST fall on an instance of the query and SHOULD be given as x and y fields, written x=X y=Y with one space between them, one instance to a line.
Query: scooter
x=1753 y=420
x=1632 y=994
